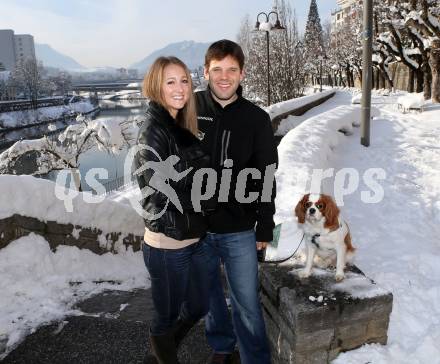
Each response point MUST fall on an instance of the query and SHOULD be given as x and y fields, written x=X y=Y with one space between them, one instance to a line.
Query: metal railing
x=119 y=183
x=19 y=105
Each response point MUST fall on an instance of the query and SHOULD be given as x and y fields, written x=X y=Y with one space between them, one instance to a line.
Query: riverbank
x=14 y=120
x=33 y=124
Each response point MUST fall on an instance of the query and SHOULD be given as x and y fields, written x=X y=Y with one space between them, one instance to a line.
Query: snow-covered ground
x=28 y=117
x=396 y=237
x=39 y=286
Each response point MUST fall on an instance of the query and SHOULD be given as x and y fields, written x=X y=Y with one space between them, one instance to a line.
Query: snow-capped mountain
x=52 y=58
x=190 y=52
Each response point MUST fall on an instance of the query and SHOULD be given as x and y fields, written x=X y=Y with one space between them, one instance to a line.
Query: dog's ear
x=300 y=209
x=331 y=212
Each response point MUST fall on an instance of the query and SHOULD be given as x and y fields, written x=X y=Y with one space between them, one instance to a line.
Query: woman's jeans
x=179 y=285
x=238 y=252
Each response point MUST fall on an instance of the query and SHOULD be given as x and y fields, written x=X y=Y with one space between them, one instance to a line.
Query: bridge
x=107 y=86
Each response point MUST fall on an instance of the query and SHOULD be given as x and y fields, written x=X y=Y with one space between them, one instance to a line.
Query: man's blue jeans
x=179 y=284
x=238 y=253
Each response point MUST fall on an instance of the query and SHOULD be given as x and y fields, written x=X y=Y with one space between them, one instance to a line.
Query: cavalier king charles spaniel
x=325 y=233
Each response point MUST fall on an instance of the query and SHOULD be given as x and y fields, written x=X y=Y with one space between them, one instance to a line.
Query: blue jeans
x=238 y=253
x=179 y=284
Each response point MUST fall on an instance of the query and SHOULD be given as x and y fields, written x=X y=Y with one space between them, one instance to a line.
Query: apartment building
x=15 y=48
x=343 y=11
x=7 y=49
x=24 y=47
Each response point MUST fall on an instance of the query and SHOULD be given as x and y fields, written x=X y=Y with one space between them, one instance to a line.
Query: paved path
x=113 y=330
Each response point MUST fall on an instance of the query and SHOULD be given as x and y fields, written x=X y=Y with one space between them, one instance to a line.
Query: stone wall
x=312 y=320
x=56 y=234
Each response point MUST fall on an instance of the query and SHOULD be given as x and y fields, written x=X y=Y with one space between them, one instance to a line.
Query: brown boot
x=181 y=329
x=164 y=348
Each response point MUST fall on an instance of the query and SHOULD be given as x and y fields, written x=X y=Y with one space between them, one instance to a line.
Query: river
x=113 y=163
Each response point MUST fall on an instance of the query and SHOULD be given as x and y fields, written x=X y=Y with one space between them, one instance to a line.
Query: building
x=15 y=48
x=344 y=11
x=24 y=47
x=7 y=49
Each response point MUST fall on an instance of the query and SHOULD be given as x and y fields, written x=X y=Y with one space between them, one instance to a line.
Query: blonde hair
x=152 y=89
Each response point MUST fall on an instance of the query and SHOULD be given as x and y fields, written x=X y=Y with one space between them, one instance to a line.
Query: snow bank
x=17 y=196
x=397 y=239
x=39 y=286
x=28 y=117
x=285 y=106
x=411 y=101
x=308 y=147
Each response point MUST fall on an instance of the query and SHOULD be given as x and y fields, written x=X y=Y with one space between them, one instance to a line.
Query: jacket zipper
x=187 y=220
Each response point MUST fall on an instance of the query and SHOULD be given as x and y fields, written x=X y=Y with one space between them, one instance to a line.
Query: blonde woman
x=173 y=253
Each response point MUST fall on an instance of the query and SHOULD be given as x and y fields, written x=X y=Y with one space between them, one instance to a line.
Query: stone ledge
x=56 y=234
x=313 y=320
x=300 y=110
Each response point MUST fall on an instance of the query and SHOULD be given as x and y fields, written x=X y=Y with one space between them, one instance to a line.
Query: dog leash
x=281 y=260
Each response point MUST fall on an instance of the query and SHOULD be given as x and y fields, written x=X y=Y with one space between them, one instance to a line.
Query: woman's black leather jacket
x=165 y=185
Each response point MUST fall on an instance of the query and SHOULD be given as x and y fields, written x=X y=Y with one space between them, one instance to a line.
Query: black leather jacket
x=165 y=138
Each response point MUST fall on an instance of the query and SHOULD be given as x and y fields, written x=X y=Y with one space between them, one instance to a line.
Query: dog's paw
x=304 y=274
x=339 y=277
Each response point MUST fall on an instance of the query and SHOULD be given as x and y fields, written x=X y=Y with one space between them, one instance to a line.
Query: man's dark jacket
x=241 y=132
x=165 y=138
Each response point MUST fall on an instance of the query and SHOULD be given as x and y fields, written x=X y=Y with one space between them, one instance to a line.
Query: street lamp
x=267 y=27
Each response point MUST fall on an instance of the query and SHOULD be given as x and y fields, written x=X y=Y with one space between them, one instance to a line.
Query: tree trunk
x=381 y=80
x=410 y=87
x=434 y=62
x=419 y=81
x=427 y=79
x=377 y=79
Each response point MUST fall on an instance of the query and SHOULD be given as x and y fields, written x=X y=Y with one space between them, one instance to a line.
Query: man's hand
x=261 y=245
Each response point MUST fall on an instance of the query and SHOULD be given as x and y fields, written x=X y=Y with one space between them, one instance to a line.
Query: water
x=112 y=163
x=94 y=158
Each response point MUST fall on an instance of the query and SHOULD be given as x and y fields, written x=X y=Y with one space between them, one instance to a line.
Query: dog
x=325 y=232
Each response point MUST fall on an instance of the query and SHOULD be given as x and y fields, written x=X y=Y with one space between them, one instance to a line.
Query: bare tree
x=64 y=152
x=287 y=72
x=28 y=76
x=434 y=62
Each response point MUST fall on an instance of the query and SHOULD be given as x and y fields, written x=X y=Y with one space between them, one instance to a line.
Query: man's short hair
x=223 y=48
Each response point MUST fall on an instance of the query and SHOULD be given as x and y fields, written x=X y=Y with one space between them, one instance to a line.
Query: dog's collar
x=314 y=242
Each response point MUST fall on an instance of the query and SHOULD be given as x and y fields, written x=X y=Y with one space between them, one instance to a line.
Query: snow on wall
x=17 y=196
x=308 y=147
x=285 y=106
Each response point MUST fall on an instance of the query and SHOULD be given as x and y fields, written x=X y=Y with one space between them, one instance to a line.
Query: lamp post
x=367 y=72
x=267 y=28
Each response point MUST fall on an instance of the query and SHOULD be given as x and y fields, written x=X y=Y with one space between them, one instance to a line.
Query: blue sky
x=120 y=32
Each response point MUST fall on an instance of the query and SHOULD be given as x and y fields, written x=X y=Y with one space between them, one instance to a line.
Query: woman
x=173 y=254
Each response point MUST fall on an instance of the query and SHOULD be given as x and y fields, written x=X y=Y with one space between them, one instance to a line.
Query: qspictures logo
x=162 y=174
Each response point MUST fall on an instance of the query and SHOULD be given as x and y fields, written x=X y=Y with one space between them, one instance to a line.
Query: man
x=238 y=135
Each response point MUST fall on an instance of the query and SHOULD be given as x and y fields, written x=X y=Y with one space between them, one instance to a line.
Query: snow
x=411 y=101
x=39 y=286
x=52 y=203
x=28 y=117
x=4 y=75
x=110 y=130
x=285 y=106
x=265 y=26
x=308 y=147
x=397 y=237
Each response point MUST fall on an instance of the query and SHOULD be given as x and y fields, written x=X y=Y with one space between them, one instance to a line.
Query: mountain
x=190 y=52
x=51 y=58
